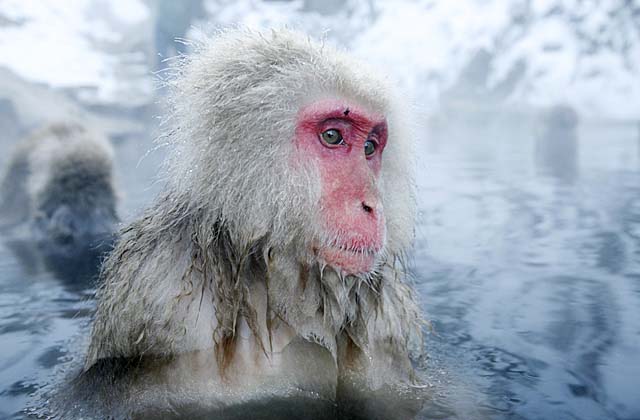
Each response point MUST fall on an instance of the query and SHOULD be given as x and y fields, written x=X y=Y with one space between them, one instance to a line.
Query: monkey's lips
x=351 y=258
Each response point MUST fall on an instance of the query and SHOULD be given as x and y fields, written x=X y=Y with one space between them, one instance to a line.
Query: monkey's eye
x=332 y=137
x=369 y=147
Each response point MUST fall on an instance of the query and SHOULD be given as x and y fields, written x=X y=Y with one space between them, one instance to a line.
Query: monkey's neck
x=271 y=288
x=269 y=298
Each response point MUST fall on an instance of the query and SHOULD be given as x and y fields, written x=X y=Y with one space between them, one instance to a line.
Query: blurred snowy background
x=527 y=115
x=465 y=54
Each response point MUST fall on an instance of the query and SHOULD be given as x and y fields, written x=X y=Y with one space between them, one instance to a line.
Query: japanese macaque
x=272 y=265
x=58 y=194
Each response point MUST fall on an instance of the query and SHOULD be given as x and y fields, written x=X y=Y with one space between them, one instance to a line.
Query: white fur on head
x=234 y=107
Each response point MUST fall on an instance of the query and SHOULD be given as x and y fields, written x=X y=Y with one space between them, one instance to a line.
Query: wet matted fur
x=225 y=247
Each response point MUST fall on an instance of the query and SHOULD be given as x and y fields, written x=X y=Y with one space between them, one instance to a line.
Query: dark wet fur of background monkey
x=58 y=200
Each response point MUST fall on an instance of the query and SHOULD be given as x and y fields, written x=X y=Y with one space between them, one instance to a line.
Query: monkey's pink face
x=345 y=141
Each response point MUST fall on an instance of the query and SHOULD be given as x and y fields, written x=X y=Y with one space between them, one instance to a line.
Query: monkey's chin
x=352 y=262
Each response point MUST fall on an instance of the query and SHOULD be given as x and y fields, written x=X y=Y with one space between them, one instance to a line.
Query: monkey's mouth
x=351 y=258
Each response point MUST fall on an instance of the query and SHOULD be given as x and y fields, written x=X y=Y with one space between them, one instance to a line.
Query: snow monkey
x=58 y=189
x=272 y=265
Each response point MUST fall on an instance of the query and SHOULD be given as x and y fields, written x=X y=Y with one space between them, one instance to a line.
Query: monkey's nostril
x=366 y=208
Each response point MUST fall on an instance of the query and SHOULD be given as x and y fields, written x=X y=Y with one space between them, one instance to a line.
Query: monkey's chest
x=301 y=376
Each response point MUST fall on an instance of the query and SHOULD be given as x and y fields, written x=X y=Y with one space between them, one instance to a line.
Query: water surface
x=527 y=265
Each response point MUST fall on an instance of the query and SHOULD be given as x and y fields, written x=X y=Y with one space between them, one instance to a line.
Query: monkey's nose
x=367 y=208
